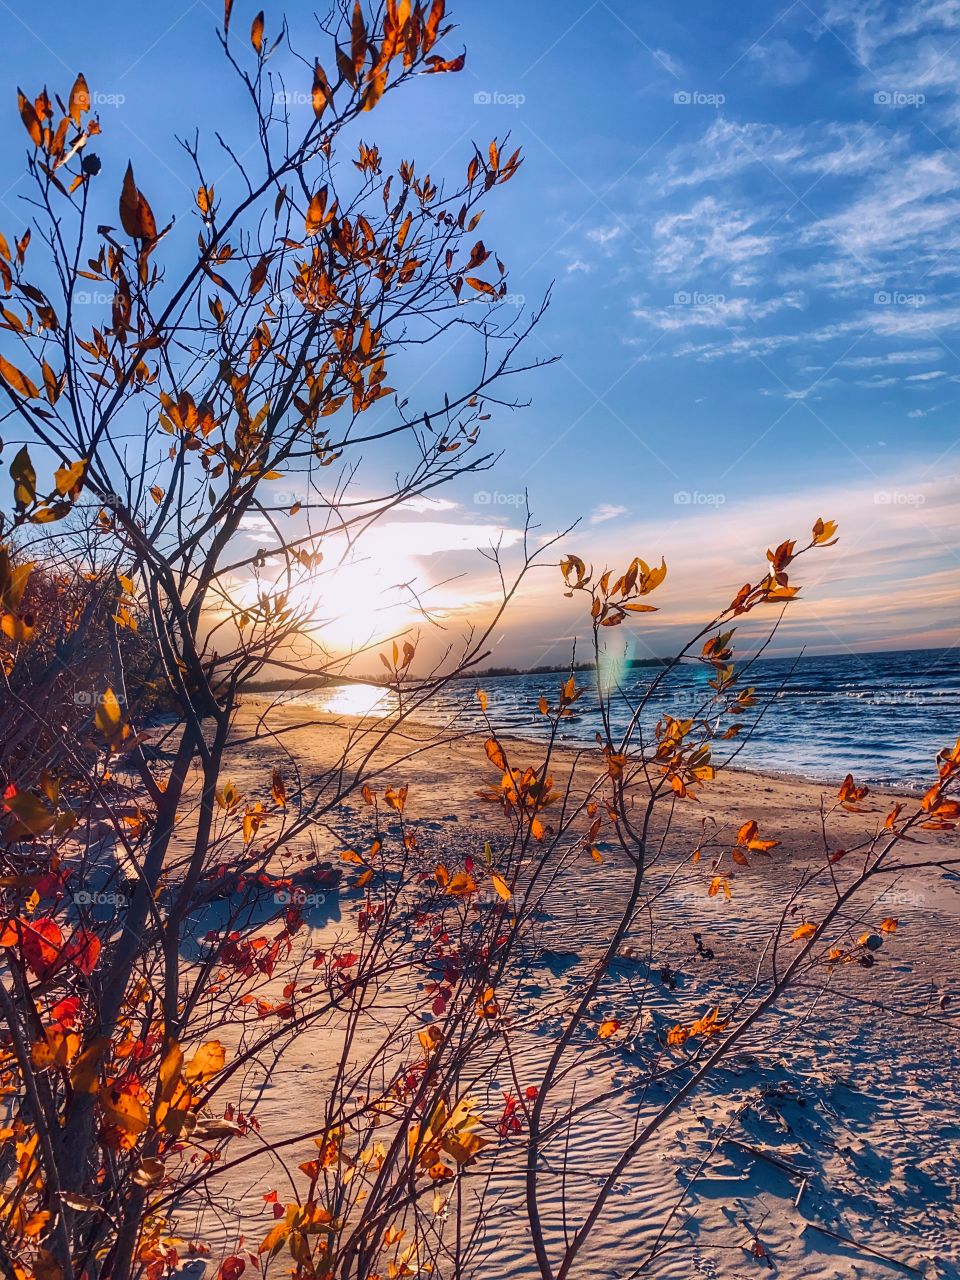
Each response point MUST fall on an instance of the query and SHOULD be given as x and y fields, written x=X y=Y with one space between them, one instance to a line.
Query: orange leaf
x=31 y=120
x=136 y=216
x=279 y=789
x=79 y=102
x=256 y=33
x=461 y=885
x=19 y=381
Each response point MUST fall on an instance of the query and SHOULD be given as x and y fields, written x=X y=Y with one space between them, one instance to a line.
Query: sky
x=748 y=219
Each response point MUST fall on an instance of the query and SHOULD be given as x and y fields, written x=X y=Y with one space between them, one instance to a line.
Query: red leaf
x=42 y=942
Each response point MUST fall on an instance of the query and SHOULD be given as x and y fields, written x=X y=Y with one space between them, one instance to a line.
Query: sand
x=826 y=1146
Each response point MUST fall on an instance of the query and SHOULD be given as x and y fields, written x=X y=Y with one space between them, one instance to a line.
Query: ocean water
x=880 y=716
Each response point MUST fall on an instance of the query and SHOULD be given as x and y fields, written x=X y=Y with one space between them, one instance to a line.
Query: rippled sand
x=831 y=1137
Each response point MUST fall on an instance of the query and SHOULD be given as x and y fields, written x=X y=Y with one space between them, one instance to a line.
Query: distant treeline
x=303 y=684
x=558 y=668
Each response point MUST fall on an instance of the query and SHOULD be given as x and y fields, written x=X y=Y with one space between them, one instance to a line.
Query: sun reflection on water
x=353 y=700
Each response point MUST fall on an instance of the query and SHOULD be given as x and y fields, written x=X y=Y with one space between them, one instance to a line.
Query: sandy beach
x=825 y=1146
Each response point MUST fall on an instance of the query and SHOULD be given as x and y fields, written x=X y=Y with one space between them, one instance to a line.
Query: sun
x=358 y=602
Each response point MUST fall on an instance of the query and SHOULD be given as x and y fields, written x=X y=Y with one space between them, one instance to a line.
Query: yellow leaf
x=608 y=1028
x=487 y=1006
x=431 y=1038
x=67 y=479
x=24 y=478
x=170 y=1069
x=395 y=799
x=206 y=1062
x=57 y=1049
x=123 y=1110
x=83 y=1077
x=108 y=717
x=20 y=630
x=803 y=931
x=501 y=886
x=823 y=532
x=35 y=1224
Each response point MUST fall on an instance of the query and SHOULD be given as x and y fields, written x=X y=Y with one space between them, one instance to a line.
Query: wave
x=882 y=717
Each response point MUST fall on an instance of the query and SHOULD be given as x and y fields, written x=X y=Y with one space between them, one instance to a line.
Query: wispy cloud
x=729 y=148
x=907 y=518
x=606 y=511
x=779 y=62
x=712 y=235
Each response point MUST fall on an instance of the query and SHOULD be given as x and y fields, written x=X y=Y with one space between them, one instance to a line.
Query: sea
x=880 y=716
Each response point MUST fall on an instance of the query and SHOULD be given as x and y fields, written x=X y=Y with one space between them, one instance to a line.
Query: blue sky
x=749 y=215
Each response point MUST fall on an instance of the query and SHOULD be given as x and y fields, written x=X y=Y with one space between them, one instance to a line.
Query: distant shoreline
x=305 y=684
x=309 y=682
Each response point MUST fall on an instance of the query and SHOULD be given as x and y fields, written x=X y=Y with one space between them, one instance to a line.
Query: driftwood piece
x=864 y=1248
x=768 y=1156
